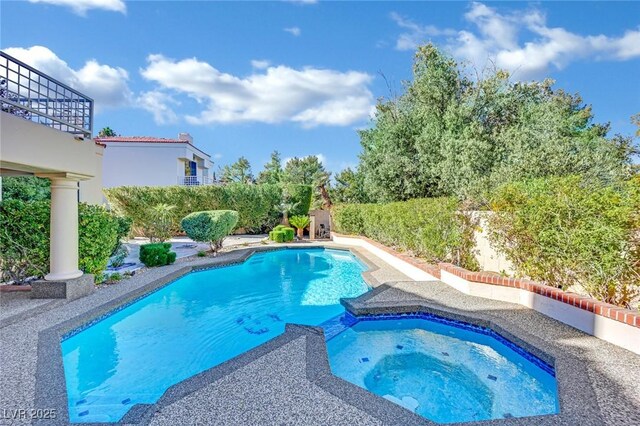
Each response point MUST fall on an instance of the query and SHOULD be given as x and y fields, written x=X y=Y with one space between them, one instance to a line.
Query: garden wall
x=607 y=322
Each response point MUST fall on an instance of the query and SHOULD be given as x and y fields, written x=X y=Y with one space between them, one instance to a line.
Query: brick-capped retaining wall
x=607 y=310
x=608 y=322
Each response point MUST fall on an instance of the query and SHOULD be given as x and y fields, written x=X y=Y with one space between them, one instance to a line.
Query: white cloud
x=82 y=6
x=302 y=1
x=105 y=84
x=416 y=34
x=295 y=31
x=157 y=103
x=309 y=96
x=494 y=37
x=260 y=64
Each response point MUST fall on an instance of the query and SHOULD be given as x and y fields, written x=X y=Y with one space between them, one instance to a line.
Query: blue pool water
x=442 y=370
x=199 y=321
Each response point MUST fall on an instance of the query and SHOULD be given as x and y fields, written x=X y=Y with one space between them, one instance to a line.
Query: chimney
x=185 y=136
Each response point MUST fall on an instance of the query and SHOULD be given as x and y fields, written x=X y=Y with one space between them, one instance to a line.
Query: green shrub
x=98 y=234
x=348 y=218
x=24 y=238
x=288 y=234
x=159 y=222
x=431 y=228
x=210 y=226
x=117 y=258
x=567 y=232
x=115 y=277
x=299 y=199
x=26 y=188
x=157 y=254
x=278 y=236
x=202 y=253
x=300 y=222
x=124 y=227
x=257 y=205
x=279 y=227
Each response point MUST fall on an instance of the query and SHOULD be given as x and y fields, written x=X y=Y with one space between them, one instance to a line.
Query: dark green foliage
x=124 y=227
x=98 y=233
x=349 y=188
x=308 y=171
x=431 y=228
x=568 y=231
x=279 y=236
x=210 y=226
x=157 y=254
x=258 y=206
x=26 y=188
x=106 y=131
x=299 y=197
x=238 y=172
x=450 y=135
x=24 y=238
x=272 y=172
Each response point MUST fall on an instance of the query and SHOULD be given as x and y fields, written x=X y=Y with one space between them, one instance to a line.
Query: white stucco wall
x=34 y=148
x=147 y=164
x=488 y=258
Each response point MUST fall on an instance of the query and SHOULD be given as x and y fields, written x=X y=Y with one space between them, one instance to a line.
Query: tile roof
x=101 y=140
x=137 y=139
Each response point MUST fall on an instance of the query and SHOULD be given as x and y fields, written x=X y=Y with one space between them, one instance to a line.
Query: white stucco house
x=151 y=161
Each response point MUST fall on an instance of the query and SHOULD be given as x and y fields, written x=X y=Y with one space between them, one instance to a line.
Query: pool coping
x=50 y=389
x=575 y=392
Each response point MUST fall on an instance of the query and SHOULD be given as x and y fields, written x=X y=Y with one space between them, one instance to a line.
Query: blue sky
x=245 y=78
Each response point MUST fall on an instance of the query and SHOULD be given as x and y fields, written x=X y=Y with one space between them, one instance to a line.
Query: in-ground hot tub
x=444 y=370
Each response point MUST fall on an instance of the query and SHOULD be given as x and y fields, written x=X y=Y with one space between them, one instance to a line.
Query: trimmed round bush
x=210 y=226
x=288 y=233
x=278 y=236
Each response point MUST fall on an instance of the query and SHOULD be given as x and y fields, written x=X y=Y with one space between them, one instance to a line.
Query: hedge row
x=430 y=228
x=24 y=238
x=571 y=233
x=258 y=206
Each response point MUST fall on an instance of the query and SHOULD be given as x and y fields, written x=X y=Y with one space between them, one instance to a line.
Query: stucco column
x=64 y=230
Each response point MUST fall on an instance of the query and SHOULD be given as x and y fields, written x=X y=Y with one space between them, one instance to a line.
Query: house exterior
x=151 y=161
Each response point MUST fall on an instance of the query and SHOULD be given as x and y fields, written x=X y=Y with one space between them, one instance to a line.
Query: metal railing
x=33 y=95
x=195 y=180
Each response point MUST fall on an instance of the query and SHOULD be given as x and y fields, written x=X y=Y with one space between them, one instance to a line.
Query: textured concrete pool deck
x=288 y=381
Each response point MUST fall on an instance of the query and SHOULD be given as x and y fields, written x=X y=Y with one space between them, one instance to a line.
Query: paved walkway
x=276 y=384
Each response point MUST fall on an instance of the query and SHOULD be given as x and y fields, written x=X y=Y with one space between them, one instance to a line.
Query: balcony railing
x=195 y=180
x=33 y=95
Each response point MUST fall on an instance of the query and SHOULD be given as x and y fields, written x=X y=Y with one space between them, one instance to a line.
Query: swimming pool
x=444 y=370
x=199 y=321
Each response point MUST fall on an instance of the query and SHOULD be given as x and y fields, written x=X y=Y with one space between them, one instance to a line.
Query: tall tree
x=309 y=171
x=450 y=135
x=106 y=132
x=240 y=172
x=348 y=187
x=272 y=172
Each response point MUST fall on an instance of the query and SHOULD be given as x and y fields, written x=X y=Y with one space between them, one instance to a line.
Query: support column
x=64 y=230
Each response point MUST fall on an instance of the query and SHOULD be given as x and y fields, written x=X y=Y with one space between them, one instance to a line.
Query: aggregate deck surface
x=288 y=380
